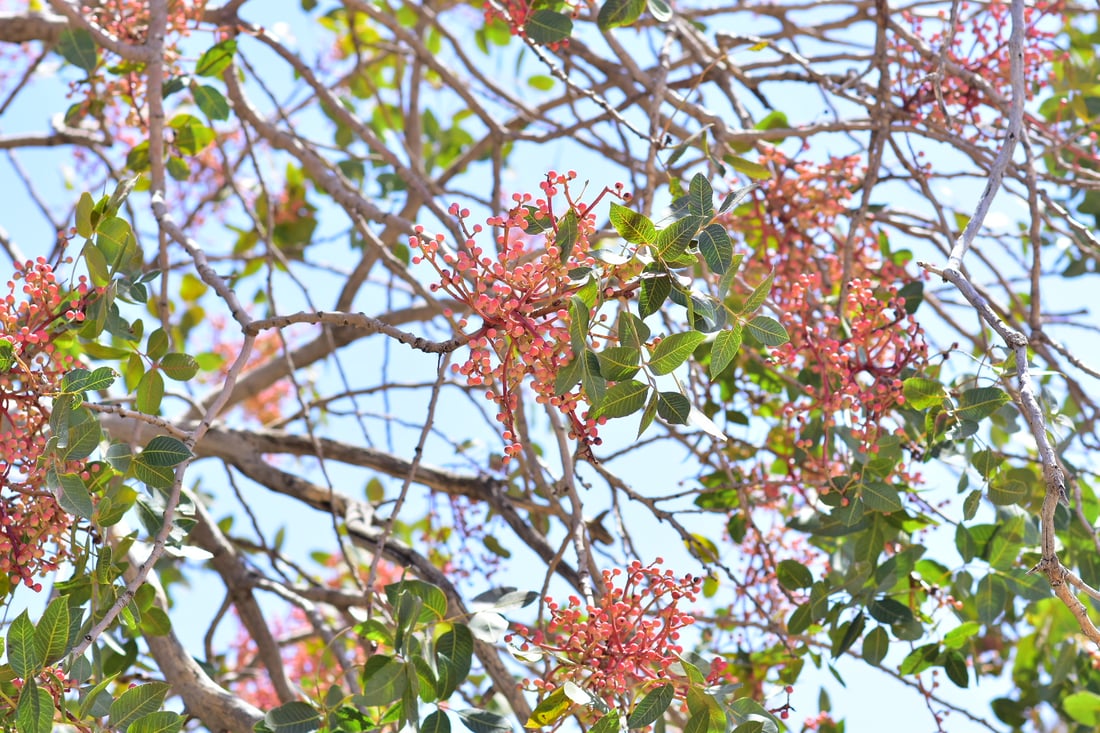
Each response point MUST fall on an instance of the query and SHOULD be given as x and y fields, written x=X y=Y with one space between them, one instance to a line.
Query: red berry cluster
x=979 y=44
x=521 y=296
x=32 y=525
x=851 y=356
x=630 y=637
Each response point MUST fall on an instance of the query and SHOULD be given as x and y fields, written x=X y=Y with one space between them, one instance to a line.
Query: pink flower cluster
x=33 y=527
x=979 y=46
x=628 y=638
x=851 y=357
x=521 y=296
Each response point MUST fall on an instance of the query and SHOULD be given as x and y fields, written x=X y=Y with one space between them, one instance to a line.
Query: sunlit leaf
x=674 y=351
x=548 y=26
x=632 y=226
x=217 y=58
x=651 y=707
x=616 y=13
x=77 y=46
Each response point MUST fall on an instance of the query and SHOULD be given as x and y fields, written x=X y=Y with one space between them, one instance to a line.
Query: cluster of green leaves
x=670 y=258
x=34 y=650
x=419 y=657
x=552 y=22
x=95 y=483
x=710 y=708
x=187 y=135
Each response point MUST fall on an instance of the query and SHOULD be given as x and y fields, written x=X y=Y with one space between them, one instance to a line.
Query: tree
x=611 y=365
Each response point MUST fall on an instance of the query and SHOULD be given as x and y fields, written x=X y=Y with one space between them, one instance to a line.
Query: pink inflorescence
x=521 y=296
x=32 y=524
x=630 y=637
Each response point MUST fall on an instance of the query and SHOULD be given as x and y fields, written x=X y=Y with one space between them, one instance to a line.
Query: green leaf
x=913 y=292
x=74 y=497
x=955 y=666
x=767 y=331
x=1083 y=706
x=155 y=622
x=83 y=435
x=725 y=348
x=542 y=82
x=191 y=134
x=631 y=330
x=619 y=362
x=77 y=46
x=482 y=721
x=211 y=101
x=875 y=645
x=216 y=59
x=548 y=26
x=980 y=402
x=919 y=659
x=673 y=240
x=34 y=711
x=136 y=702
x=137 y=159
x=157 y=345
x=436 y=722
x=648 y=414
x=150 y=391
x=157 y=477
x=114 y=238
x=178 y=168
x=736 y=196
x=716 y=248
x=990 y=597
x=98 y=379
x=625 y=398
x=435 y=601
x=750 y=169
x=921 y=394
x=179 y=367
x=293 y=717
x=881 y=497
x=566 y=238
x=700 y=197
x=454 y=651
x=759 y=295
x=674 y=351
x=800 y=619
x=655 y=289
x=651 y=707
x=162 y=721
x=957 y=637
x=793 y=575
x=673 y=407
x=51 y=634
x=24 y=656
x=569 y=375
x=553 y=708
x=846 y=634
x=579 y=314
x=617 y=13
x=632 y=226
x=1006 y=490
x=7 y=356
x=609 y=723
x=84 y=208
x=889 y=611
x=165 y=450
x=593 y=385
x=384 y=681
